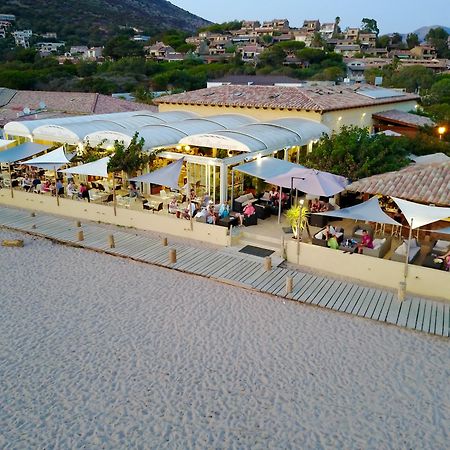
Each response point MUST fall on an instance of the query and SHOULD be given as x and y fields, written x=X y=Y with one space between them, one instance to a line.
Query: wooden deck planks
x=414 y=313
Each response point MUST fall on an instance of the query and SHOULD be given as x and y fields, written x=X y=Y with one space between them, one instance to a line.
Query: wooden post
x=111 y=241
x=405 y=275
x=80 y=235
x=164 y=242
x=172 y=256
x=401 y=293
x=267 y=263
x=289 y=284
x=78 y=224
x=10 y=180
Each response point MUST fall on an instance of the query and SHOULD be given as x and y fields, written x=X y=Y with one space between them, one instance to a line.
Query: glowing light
x=179 y=147
x=187 y=147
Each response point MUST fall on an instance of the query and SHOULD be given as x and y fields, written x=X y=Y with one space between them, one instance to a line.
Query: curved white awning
x=273 y=135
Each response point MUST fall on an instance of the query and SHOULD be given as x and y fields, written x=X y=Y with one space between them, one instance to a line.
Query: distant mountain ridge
x=94 y=19
x=423 y=31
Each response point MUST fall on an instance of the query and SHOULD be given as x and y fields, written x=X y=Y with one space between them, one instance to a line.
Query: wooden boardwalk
x=235 y=268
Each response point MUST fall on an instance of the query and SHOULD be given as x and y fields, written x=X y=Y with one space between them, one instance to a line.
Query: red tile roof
x=319 y=99
x=59 y=104
x=404 y=118
x=423 y=183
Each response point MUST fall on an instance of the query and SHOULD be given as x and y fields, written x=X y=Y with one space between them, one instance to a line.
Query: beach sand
x=102 y=352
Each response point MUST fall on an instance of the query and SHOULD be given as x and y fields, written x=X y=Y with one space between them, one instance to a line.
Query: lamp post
x=296 y=190
x=441 y=131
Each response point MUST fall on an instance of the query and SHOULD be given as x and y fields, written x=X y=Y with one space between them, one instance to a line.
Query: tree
x=121 y=46
x=355 y=153
x=129 y=159
x=440 y=92
x=438 y=38
x=383 y=41
x=337 y=28
x=412 y=40
x=396 y=38
x=370 y=26
x=413 y=78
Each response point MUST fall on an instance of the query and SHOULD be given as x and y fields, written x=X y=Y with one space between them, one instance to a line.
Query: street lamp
x=441 y=131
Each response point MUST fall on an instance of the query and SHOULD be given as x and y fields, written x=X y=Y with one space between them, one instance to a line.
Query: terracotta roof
x=423 y=183
x=59 y=104
x=319 y=99
x=404 y=118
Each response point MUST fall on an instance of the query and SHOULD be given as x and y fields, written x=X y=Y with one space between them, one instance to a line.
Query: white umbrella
x=311 y=181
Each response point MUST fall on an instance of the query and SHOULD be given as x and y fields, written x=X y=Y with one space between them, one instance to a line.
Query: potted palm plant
x=297 y=216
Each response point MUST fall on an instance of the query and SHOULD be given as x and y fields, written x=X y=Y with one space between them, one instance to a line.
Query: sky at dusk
x=392 y=15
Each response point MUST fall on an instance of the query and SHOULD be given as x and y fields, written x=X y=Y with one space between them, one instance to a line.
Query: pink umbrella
x=311 y=181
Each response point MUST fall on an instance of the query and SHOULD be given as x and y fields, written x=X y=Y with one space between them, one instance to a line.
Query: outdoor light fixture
x=187 y=148
x=441 y=131
x=179 y=147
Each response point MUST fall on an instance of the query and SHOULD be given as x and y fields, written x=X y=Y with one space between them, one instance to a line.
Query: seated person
x=366 y=241
x=36 y=181
x=173 y=206
x=53 y=188
x=26 y=183
x=249 y=210
x=273 y=194
x=211 y=216
x=59 y=187
x=133 y=192
x=328 y=232
x=333 y=243
x=224 y=210
x=71 y=189
x=205 y=200
x=324 y=206
x=315 y=205
x=84 y=192
x=46 y=186
x=446 y=259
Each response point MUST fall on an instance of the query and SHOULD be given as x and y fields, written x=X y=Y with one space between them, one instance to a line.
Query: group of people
x=274 y=196
x=206 y=209
x=330 y=233
x=318 y=206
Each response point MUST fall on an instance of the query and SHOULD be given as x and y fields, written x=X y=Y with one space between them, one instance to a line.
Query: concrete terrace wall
x=421 y=281
x=143 y=220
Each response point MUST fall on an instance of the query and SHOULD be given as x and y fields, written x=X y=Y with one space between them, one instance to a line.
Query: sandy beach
x=102 y=352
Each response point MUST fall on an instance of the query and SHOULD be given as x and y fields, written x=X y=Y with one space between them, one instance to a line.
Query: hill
x=423 y=31
x=91 y=21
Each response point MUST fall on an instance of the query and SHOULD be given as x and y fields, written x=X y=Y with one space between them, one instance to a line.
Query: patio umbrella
x=311 y=181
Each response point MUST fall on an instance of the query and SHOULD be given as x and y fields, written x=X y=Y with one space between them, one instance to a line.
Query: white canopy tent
x=97 y=168
x=166 y=176
x=52 y=160
x=419 y=215
x=370 y=210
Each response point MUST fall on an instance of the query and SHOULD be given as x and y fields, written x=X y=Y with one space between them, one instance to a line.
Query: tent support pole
x=10 y=180
x=232 y=189
x=114 y=194
x=191 y=225
x=279 y=205
x=298 y=233
x=56 y=189
x=407 y=251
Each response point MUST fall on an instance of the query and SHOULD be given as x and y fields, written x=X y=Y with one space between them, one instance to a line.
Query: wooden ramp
x=235 y=268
